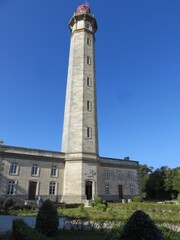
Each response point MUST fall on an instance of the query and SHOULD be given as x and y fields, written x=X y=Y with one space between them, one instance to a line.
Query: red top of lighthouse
x=83 y=9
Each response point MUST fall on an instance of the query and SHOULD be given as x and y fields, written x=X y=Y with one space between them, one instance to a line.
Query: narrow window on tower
x=89 y=106
x=132 y=190
x=89 y=83
x=89 y=41
x=89 y=132
x=88 y=60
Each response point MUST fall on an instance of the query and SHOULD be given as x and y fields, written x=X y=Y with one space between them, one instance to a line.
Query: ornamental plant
x=47 y=219
x=140 y=227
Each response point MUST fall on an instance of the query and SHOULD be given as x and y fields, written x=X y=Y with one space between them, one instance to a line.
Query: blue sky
x=138 y=76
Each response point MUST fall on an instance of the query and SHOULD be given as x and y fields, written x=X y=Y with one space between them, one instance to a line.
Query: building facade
x=77 y=174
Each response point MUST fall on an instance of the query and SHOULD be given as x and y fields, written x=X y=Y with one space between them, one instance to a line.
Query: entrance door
x=120 y=191
x=32 y=190
x=89 y=190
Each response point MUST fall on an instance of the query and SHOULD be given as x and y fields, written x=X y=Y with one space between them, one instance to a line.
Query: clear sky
x=138 y=76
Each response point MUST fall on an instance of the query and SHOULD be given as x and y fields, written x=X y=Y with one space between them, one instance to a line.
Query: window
x=35 y=170
x=11 y=187
x=106 y=189
x=52 y=188
x=89 y=105
x=53 y=171
x=13 y=169
x=106 y=174
x=131 y=177
x=89 y=83
x=132 y=190
x=88 y=60
x=119 y=175
x=87 y=25
x=89 y=132
x=89 y=41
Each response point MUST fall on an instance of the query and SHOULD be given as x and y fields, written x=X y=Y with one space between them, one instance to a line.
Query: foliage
x=101 y=206
x=47 y=219
x=178 y=198
x=8 y=202
x=176 y=180
x=137 y=199
x=169 y=234
x=98 y=200
x=114 y=233
x=23 y=232
x=139 y=227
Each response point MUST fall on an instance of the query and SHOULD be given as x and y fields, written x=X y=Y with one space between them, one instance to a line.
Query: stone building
x=77 y=174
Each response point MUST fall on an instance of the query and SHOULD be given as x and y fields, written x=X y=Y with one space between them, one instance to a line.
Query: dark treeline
x=160 y=184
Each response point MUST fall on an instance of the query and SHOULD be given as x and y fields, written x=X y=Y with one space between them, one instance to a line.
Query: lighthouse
x=80 y=131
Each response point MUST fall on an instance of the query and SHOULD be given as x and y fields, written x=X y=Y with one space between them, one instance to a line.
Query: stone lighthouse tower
x=80 y=137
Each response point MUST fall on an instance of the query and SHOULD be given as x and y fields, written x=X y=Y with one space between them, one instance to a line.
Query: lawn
x=116 y=212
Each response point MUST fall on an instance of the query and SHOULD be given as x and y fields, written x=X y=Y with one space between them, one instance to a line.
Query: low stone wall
x=67 y=224
x=80 y=225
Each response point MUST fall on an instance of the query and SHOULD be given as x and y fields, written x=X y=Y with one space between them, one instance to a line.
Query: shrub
x=47 y=219
x=101 y=206
x=137 y=199
x=8 y=202
x=178 y=198
x=98 y=200
x=140 y=227
x=114 y=233
x=23 y=232
x=169 y=234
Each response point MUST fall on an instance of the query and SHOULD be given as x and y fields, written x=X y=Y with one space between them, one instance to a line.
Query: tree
x=176 y=180
x=144 y=172
x=155 y=186
x=47 y=219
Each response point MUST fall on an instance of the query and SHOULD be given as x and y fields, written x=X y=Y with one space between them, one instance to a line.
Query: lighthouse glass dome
x=83 y=9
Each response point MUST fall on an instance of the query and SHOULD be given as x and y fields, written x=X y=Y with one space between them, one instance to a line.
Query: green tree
x=155 y=186
x=144 y=172
x=176 y=180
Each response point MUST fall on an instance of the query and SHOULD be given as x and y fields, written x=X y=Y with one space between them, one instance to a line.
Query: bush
x=101 y=206
x=47 y=219
x=140 y=227
x=169 y=234
x=178 y=198
x=98 y=200
x=23 y=232
x=8 y=202
x=114 y=233
x=137 y=199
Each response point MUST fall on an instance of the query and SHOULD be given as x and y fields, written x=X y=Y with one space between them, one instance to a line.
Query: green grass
x=116 y=211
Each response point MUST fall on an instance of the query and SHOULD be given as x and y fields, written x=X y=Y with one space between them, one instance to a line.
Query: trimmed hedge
x=21 y=231
x=140 y=227
x=47 y=219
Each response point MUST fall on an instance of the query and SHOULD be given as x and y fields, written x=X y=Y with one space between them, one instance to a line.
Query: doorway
x=120 y=191
x=89 y=190
x=32 y=190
